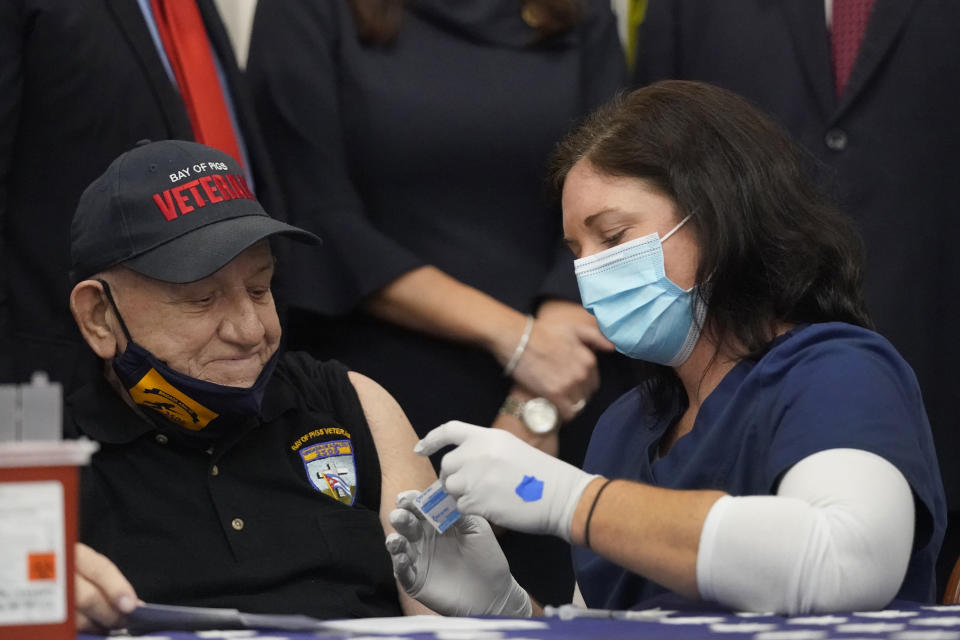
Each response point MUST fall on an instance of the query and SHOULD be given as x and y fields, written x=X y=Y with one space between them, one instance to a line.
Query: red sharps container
x=38 y=531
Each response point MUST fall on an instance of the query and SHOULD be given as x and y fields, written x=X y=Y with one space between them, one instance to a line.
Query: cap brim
x=206 y=250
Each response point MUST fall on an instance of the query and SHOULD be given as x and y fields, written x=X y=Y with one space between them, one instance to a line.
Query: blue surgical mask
x=638 y=308
x=205 y=409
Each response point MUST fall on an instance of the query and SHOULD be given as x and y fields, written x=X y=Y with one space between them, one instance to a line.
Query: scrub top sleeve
x=293 y=72
x=10 y=91
x=857 y=394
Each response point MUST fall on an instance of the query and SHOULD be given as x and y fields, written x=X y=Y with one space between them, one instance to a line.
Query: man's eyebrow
x=267 y=266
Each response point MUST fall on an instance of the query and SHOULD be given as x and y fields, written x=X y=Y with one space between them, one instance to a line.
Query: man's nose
x=242 y=324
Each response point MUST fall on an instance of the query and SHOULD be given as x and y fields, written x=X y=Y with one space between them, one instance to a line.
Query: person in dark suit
x=81 y=82
x=886 y=144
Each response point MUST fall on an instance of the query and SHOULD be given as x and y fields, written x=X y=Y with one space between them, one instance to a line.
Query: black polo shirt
x=279 y=515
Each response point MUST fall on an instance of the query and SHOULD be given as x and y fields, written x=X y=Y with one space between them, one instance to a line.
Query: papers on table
x=427 y=624
x=160 y=617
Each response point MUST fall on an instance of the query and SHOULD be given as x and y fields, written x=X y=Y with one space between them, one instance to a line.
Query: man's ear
x=89 y=307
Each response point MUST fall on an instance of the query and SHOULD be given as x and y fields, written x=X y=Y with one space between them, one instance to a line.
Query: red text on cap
x=186 y=197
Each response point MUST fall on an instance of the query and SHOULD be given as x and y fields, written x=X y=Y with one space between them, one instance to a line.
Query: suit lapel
x=885 y=24
x=127 y=13
x=808 y=28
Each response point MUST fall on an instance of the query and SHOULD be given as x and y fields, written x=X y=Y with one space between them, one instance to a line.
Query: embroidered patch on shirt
x=319 y=432
x=331 y=469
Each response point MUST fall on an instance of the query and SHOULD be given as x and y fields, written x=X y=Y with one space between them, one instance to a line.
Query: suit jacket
x=888 y=148
x=80 y=82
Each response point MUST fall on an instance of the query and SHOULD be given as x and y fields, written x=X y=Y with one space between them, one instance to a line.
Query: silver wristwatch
x=539 y=415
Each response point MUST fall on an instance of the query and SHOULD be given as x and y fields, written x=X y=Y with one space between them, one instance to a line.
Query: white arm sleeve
x=836 y=537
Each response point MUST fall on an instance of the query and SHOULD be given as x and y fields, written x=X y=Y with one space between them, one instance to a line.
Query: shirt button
x=215 y=471
x=237 y=524
x=836 y=140
x=161 y=439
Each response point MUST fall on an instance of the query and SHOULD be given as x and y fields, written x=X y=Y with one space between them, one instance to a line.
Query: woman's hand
x=493 y=474
x=104 y=596
x=462 y=572
x=559 y=362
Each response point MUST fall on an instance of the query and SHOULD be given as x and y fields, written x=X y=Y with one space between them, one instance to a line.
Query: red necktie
x=185 y=40
x=849 y=25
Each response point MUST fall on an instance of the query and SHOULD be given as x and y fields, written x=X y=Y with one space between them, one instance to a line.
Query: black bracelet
x=596 y=498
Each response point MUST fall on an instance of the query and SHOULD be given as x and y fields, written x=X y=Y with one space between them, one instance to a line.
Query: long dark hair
x=772 y=249
x=379 y=21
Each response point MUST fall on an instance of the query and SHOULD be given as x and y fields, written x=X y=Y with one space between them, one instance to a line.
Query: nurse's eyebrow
x=590 y=220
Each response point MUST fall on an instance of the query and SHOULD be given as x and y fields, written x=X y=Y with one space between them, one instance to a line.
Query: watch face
x=540 y=415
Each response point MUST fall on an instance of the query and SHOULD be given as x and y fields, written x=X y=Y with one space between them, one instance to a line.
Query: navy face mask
x=199 y=406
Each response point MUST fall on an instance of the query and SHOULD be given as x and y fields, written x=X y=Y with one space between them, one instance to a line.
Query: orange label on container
x=41 y=566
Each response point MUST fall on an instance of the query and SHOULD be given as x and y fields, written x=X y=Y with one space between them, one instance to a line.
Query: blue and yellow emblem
x=331 y=469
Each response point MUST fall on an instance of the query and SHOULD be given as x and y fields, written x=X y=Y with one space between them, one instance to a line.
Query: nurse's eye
x=614 y=239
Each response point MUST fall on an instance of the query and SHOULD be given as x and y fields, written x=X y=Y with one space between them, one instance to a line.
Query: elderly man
x=229 y=474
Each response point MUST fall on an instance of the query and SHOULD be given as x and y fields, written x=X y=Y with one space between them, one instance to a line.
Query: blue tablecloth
x=903 y=622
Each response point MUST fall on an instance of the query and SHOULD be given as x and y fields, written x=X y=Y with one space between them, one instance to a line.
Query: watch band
x=513 y=406
x=538 y=415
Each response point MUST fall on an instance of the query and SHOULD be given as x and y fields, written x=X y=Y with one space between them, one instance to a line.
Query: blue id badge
x=437 y=506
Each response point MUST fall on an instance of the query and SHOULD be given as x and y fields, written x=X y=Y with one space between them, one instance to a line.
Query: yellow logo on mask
x=155 y=393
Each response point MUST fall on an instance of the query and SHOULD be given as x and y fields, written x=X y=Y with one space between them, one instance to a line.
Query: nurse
x=776 y=458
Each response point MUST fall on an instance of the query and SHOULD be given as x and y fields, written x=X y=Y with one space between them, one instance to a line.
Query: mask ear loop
x=664 y=239
x=676 y=228
x=123 y=325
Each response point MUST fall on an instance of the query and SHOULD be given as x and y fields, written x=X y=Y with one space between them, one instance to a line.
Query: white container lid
x=35 y=453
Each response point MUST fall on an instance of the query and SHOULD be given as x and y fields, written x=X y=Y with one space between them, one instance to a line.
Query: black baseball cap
x=171 y=210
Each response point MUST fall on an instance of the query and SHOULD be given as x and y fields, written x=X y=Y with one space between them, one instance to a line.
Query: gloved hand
x=462 y=572
x=494 y=474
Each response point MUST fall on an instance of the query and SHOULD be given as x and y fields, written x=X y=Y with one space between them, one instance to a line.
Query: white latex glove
x=462 y=572
x=496 y=475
